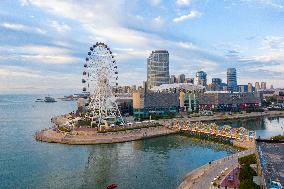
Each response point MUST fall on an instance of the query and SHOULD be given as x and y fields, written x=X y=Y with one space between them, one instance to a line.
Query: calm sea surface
x=153 y=163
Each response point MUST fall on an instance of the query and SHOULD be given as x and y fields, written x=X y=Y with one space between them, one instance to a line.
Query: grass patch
x=247 y=160
x=247 y=173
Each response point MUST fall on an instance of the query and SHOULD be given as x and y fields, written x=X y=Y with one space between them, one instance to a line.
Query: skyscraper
x=263 y=85
x=173 y=79
x=250 y=88
x=189 y=80
x=216 y=84
x=181 y=78
x=158 y=68
x=232 y=79
x=257 y=87
x=201 y=78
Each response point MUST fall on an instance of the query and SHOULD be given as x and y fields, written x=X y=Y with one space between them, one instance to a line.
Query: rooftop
x=186 y=86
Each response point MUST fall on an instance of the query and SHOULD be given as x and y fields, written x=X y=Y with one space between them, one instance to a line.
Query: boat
x=49 y=99
x=39 y=100
x=111 y=186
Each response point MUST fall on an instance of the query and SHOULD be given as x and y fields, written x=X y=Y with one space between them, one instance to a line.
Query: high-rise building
x=189 y=80
x=257 y=87
x=250 y=88
x=271 y=87
x=158 y=68
x=216 y=84
x=243 y=88
x=181 y=78
x=201 y=78
x=173 y=79
x=145 y=86
x=232 y=79
x=263 y=85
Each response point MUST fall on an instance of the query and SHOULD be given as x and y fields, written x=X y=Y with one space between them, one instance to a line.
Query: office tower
x=158 y=68
x=181 y=78
x=216 y=84
x=189 y=80
x=217 y=81
x=263 y=85
x=145 y=86
x=250 y=88
x=232 y=79
x=173 y=79
x=201 y=78
x=257 y=87
x=271 y=87
x=243 y=88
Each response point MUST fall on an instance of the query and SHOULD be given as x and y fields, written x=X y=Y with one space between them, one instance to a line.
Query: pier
x=239 y=137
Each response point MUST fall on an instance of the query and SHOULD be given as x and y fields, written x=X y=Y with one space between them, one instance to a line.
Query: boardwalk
x=202 y=176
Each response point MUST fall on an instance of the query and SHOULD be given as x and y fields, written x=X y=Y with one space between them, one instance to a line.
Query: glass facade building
x=201 y=78
x=232 y=79
x=158 y=68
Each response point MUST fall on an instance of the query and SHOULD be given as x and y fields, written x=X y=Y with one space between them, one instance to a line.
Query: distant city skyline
x=44 y=43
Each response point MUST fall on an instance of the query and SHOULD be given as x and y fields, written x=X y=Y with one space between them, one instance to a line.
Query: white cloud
x=127 y=43
x=24 y=2
x=158 y=19
x=190 y=15
x=271 y=3
x=155 y=2
x=13 y=26
x=273 y=43
x=21 y=27
x=187 y=45
x=183 y=2
x=38 y=54
x=16 y=71
x=17 y=78
x=59 y=27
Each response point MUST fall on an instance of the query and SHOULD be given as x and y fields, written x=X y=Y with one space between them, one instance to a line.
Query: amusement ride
x=100 y=77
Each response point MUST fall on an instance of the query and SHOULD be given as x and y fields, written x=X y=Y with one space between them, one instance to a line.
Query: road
x=203 y=176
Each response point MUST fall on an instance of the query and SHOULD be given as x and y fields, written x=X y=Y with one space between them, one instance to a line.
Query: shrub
x=278 y=137
x=247 y=173
x=247 y=160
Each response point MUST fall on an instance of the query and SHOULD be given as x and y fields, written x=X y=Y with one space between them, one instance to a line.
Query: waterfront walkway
x=204 y=175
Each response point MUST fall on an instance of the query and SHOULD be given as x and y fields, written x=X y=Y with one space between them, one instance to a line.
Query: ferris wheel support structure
x=100 y=77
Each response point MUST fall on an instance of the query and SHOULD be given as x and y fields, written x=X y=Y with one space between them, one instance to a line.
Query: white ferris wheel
x=100 y=77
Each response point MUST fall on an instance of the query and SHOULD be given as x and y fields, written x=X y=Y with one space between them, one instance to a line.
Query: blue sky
x=43 y=44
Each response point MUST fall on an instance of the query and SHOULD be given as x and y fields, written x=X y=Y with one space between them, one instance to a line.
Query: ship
x=39 y=100
x=49 y=99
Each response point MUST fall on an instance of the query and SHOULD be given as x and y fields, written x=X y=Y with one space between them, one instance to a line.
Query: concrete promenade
x=204 y=175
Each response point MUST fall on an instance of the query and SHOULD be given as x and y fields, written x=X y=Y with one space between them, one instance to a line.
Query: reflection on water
x=264 y=127
x=154 y=163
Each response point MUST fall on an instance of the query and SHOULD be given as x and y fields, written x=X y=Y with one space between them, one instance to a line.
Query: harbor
x=158 y=162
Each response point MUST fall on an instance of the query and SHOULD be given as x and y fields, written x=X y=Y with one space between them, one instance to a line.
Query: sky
x=43 y=44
